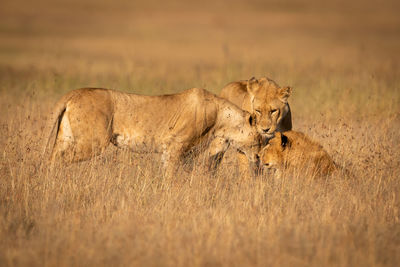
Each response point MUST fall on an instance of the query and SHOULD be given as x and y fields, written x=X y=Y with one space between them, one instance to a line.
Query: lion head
x=296 y=151
x=238 y=128
x=248 y=141
x=269 y=104
x=273 y=155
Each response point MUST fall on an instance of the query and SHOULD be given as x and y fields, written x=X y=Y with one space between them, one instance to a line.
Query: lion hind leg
x=64 y=145
x=79 y=138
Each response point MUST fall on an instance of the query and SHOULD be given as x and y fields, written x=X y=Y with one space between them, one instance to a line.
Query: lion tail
x=54 y=125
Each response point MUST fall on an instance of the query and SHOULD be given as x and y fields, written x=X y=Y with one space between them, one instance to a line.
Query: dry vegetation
x=341 y=57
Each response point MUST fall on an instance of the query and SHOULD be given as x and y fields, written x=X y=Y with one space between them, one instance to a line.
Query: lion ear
x=284 y=93
x=252 y=86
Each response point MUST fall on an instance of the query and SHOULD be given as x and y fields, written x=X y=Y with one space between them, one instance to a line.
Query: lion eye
x=273 y=111
x=258 y=111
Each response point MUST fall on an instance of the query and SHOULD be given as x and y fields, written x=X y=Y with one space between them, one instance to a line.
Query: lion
x=267 y=102
x=295 y=151
x=85 y=121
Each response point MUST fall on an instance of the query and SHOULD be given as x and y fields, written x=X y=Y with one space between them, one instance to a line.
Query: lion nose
x=266 y=130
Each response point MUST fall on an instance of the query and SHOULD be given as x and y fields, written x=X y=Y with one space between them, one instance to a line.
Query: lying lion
x=86 y=120
x=295 y=151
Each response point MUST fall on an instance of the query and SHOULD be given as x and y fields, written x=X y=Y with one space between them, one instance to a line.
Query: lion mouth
x=267 y=136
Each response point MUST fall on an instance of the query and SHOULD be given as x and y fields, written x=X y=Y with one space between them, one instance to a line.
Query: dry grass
x=342 y=60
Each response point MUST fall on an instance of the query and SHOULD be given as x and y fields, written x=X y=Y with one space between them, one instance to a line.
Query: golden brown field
x=342 y=59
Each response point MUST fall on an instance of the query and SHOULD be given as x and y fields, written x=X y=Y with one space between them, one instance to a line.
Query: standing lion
x=85 y=121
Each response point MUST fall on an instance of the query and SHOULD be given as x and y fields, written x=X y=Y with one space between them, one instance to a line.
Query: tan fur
x=86 y=120
x=267 y=102
x=295 y=151
x=261 y=97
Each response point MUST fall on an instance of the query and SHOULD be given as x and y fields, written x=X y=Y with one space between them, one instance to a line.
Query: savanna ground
x=342 y=59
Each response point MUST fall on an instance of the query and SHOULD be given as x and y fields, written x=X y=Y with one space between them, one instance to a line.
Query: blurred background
x=166 y=46
x=342 y=59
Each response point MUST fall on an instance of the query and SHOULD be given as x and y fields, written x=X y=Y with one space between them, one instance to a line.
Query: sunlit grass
x=118 y=209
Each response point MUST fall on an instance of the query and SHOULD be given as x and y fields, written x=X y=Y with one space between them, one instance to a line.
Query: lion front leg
x=171 y=159
x=247 y=169
x=244 y=170
x=215 y=152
